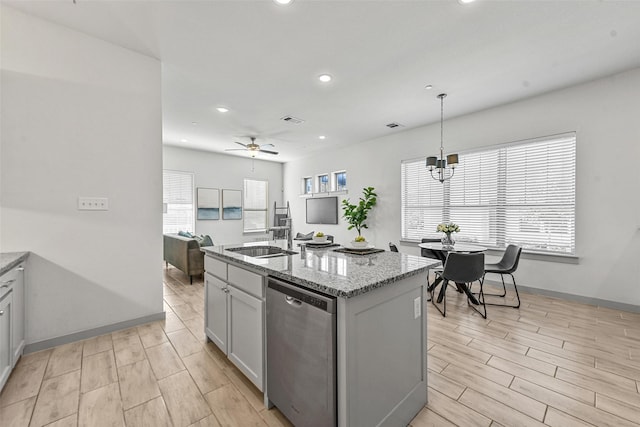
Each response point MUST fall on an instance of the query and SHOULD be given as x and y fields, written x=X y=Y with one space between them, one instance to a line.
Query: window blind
x=256 y=199
x=520 y=193
x=177 y=197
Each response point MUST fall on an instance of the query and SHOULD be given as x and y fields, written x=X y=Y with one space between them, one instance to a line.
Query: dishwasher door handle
x=292 y=301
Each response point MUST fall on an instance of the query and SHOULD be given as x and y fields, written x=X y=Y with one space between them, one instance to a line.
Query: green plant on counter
x=356 y=215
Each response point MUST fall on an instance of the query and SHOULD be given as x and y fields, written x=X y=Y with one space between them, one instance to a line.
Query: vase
x=448 y=241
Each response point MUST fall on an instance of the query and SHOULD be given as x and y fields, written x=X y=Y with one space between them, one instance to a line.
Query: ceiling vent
x=291 y=119
x=394 y=125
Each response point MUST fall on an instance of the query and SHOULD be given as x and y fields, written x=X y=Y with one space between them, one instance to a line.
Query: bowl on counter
x=322 y=239
x=363 y=244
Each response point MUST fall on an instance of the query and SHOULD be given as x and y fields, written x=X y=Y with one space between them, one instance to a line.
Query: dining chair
x=507 y=265
x=392 y=247
x=464 y=269
x=428 y=253
x=329 y=238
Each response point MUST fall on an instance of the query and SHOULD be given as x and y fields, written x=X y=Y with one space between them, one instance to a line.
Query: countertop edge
x=18 y=257
x=313 y=285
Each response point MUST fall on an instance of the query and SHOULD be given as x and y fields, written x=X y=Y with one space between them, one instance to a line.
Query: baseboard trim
x=90 y=333
x=572 y=297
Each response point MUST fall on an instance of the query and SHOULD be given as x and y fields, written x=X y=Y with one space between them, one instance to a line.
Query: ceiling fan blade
x=268 y=152
x=236 y=149
x=240 y=143
x=266 y=145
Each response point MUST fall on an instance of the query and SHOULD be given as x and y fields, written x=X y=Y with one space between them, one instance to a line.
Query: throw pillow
x=185 y=234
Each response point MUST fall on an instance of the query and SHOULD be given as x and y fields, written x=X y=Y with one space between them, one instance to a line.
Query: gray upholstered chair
x=463 y=269
x=507 y=265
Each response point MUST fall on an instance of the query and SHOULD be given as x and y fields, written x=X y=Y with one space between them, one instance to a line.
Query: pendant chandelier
x=444 y=168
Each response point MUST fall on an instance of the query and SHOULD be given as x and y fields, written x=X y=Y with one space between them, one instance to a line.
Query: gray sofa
x=184 y=254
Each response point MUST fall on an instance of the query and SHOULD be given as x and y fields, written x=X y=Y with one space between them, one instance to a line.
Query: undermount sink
x=262 y=251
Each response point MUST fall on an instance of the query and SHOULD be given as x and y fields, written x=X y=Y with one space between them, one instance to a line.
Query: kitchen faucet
x=287 y=222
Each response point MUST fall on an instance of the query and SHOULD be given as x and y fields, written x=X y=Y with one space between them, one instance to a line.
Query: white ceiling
x=261 y=60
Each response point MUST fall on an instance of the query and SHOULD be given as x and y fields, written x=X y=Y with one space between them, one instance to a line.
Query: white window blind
x=521 y=193
x=256 y=199
x=177 y=199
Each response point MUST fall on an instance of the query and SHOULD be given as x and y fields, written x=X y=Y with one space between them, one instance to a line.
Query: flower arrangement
x=448 y=228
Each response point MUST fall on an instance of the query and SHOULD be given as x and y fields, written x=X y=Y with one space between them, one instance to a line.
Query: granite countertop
x=332 y=273
x=8 y=260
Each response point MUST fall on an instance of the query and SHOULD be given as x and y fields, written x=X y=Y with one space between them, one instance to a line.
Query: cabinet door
x=246 y=334
x=5 y=338
x=216 y=311
x=17 y=316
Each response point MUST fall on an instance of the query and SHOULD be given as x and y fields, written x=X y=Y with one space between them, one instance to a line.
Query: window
x=307 y=185
x=340 y=181
x=177 y=201
x=256 y=199
x=521 y=193
x=323 y=183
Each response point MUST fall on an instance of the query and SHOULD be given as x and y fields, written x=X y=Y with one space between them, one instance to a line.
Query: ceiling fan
x=253 y=148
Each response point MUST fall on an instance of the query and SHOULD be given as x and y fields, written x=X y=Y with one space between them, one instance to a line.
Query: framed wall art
x=208 y=203
x=231 y=204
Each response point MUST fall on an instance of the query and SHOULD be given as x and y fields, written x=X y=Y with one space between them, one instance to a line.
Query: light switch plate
x=93 y=204
x=416 y=308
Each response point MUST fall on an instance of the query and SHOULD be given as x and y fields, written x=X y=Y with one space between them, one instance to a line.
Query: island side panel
x=382 y=360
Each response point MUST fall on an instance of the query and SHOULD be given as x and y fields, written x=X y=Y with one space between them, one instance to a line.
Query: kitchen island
x=380 y=344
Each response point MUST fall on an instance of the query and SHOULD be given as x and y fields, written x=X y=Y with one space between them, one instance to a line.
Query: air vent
x=394 y=125
x=291 y=119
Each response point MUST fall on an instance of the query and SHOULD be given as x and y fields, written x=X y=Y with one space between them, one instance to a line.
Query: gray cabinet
x=234 y=316
x=11 y=320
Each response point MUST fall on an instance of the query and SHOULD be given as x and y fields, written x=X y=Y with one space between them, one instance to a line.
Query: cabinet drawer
x=216 y=267
x=246 y=280
x=7 y=281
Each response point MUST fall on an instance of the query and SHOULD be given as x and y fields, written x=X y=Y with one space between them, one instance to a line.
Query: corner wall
x=80 y=117
x=213 y=170
x=604 y=113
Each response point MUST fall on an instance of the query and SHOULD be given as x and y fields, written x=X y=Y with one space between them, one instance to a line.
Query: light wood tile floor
x=551 y=362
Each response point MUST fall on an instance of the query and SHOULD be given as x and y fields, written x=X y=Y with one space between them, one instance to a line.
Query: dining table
x=441 y=252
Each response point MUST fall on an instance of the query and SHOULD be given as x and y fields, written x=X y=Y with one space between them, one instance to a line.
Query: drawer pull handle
x=20 y=268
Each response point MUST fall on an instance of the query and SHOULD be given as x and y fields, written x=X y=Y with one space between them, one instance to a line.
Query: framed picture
x=208 y=203
x=231 y=204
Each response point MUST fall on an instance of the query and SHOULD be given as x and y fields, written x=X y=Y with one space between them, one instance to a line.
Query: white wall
x=604 y=113
x=80 y=117
x=222 y=171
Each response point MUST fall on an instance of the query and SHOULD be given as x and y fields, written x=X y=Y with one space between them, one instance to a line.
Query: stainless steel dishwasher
x=301 y=354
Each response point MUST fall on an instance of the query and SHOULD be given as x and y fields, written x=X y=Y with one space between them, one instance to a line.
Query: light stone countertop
x=8 y=260
x=332 y=273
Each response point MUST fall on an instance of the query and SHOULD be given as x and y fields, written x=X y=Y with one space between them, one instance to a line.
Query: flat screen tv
x=322 y=210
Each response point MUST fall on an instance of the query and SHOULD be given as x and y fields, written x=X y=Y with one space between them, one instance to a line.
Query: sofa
x=184 y=254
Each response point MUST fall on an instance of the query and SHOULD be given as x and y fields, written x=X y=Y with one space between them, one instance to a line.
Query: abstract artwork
x=208 y=203
x=231 y=204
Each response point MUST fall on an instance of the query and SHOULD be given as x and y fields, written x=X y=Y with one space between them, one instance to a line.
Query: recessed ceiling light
x=465 y=1
x=222 y=109
x=194 y=123
x=325 y=78
x=428 y=87
x=283 y=1
x=183 y=140
x=322 y=137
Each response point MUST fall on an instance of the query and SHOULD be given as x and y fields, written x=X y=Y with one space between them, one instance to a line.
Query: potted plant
x=356 y=215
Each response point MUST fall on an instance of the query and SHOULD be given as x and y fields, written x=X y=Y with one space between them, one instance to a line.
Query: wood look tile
x=434 y=363
x=17 y=414
x=101 y=407
x=64 y=359
x=70 y=421
x=137 y=384
x=128 y=350
x=172 y=323
x=480 y=369
x=274 y=418
x=150 y=414
x=23 y=383
x=37 y=357
x=444 y=385
x=184 y=311
x=555 y=418
x=152 y=335
x=124 y=333
x=205 y=372
x=454 y=411
x=183 y=399
x=517 y=401
x=246 y=388
x=231 y=408
x=97 y=345
x=521 y=359
x=98 y=370
x=164 y=360
x=210 y=421
x=621 y=409
x=58 y=398
x=498 y=411
x=184 y=342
